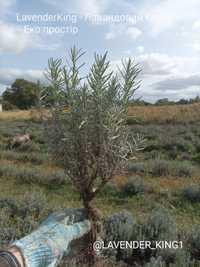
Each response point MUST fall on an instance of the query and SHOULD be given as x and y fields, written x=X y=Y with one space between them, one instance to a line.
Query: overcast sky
x=163 y=36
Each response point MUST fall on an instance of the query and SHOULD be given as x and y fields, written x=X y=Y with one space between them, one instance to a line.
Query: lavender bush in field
x=87 y=132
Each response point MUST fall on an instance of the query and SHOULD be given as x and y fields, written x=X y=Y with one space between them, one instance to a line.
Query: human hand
x=46 y=246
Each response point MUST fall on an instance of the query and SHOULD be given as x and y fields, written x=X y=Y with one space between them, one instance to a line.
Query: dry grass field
x=166 y=114
x=146 y=114
x=165 y=176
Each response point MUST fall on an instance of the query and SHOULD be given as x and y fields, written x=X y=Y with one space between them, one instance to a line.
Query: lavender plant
x=87 y=131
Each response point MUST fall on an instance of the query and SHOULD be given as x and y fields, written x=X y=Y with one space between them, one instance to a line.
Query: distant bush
x=8 y=106
x=194 y=242
x=137 y=167
x=159 y=167
x=133 y=120
x=33 y=175
x=110 y=189
x=197 y=158
x=134 y=186
x=183 y=169
x=160 y=226
x=162 y=167
x=181 y=261
x=173 y=168
x=28 y=147
x=33 y=157
x=192 y=193
x=118 y=227
x=20 y=217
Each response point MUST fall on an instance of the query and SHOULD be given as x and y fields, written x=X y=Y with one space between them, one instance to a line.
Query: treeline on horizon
x=24 y=94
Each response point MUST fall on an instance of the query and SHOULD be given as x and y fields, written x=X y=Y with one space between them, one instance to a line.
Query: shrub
x=28 y=147
x=134 y=186
x=192 y=193
x=8 y=106
x=20 y=217
x=155 y=262
x=136 y=167
x=118 y=227
x=133 y=120
x=33 y=175
x=194 y=242
x=159 y=167
x=110 y=189
x=184 y=169
x=197 y=158
x=160 y=226
x=181 y=261
x=33 y=157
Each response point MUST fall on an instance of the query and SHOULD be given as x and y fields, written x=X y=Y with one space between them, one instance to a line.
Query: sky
x=162 y=36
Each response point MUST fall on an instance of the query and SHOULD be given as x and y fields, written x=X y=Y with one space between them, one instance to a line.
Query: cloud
x=92 y=6
x=8 y=76
x=196 y=47
x=158 y=64
x=81 y=7
x=140 y=49
x=120 y=30
x=5 y=5
x=133 y=32
x=178 y=83
x=165 y=15
x=14 y=39
x=167 y=76
x=196 y=25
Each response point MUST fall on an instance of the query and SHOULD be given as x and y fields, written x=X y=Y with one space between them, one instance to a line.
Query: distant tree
x=183 y=102
x=188 y=101
x=139 y=102
x=91 y=141
x=163 y=101
x=22 y=94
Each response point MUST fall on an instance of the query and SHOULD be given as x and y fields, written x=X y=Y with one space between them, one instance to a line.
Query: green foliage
x=22 y=94
x=8 y=106
x=136 y=167
x=20 y=217
x=134 y=186
x=110 y=190
x=182 y=261
x=91 y=140
x=33 y=157
x=33 y=175
x=193 y=242
x=160 y=226
x=29 y=146
x=197 y=158
x=161 y=167
x=192 y=193
x=118 y=227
